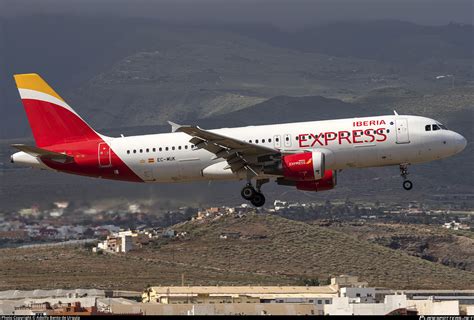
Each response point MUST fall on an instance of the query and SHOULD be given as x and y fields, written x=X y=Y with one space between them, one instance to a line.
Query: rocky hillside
x=432 y=243
x=266 y=250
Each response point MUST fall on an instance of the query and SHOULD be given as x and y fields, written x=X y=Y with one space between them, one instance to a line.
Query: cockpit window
x=428 y=127
x=436 y=127
x=442 y=126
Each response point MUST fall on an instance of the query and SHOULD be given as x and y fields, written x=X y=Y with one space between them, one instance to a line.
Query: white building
x=118 y=242
x=344 y=306
x=432 y=307
x=358 y=295
x=455 y=226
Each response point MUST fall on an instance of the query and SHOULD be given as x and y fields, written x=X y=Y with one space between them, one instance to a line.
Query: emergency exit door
x=402 y=131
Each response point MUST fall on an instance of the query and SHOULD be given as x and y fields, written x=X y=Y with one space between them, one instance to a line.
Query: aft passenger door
x=104 y=155
x=402 y=131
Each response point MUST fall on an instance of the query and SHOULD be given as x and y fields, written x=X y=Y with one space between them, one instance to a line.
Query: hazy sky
x=283 y=13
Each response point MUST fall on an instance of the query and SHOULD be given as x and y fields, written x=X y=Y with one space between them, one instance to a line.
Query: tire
x=248 y=192
x=407 y=185
x=258 y=200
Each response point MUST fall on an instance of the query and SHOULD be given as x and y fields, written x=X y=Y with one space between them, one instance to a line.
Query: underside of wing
x=238 y=154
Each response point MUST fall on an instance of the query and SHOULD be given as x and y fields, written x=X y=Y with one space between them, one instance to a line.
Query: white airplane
x=305 y=155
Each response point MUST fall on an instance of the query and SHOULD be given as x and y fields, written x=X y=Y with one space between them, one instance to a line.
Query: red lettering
x=367 y=123
x=329 y=136
x=381 y=134
x=301 y=140
x=344 y=135
x=316 y=139
x=357 y=134
x=368 y=133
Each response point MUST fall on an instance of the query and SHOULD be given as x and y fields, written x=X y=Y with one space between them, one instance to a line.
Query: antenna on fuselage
x=395 y=112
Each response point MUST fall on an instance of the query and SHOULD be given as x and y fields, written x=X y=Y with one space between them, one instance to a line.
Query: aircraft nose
x=459 y=142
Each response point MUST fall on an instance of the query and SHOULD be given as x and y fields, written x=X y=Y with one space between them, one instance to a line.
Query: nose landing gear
x=407 y=184
x=255 y=196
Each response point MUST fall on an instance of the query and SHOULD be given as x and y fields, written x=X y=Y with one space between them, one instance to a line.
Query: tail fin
x=51 y=119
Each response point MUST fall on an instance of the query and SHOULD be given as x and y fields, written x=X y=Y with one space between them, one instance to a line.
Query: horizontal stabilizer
x=43 y=153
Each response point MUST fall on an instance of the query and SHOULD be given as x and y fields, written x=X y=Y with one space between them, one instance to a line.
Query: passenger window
x=435 y=127
x=179 y=148
x=154 y=149
x=186 y=147
x=256 y=140
x=269 y=140
x=141 y=150
x=277 y=139
x=166 y=148
x=287 y=139
x=147 y=150
x=263 y=140
x=161 y=149
x=250 y=141
x=134 y=151
x=172 y=148
x=128 y=151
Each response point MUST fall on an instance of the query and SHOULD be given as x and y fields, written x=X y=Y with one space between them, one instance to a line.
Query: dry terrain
x=270 y=250
x=433 y=243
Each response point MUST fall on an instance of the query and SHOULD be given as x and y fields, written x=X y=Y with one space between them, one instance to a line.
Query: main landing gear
x=407 y=184
x=254 y=195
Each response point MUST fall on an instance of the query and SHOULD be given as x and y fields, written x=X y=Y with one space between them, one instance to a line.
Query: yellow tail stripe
x=32 y=81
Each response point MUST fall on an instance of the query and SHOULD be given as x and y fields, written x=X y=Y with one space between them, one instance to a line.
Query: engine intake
x=307 y=166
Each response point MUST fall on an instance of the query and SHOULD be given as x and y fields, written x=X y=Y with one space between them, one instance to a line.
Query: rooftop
x=245 y=290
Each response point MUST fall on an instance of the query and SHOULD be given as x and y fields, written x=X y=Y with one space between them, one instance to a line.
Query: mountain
x=129 y=72
x=381 y=40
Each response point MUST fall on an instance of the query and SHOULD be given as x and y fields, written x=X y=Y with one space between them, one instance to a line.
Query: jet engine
x=307 y=166
x=327 y=182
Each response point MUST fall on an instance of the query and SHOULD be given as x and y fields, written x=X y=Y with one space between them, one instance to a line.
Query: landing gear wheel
x=248 y=192
x=407 y=185
x=258 y=199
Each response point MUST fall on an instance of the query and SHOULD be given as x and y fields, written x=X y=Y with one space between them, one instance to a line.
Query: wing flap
x=238 y=154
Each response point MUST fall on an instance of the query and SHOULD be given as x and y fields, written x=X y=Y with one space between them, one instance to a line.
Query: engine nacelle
x=327 y=182
x=307 y=166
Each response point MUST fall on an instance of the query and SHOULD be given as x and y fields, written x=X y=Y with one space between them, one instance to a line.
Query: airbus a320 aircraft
x=305 y=155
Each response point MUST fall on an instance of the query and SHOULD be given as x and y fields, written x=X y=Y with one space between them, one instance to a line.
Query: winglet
x=174 y=126
x=395 y=112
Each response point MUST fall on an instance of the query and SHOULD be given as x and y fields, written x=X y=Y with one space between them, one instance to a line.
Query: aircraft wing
x=43 y=153
x=238 y=154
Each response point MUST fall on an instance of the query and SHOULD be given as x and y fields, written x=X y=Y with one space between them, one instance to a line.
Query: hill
x=291 y=249
x=125 y=71
x=270 y=251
